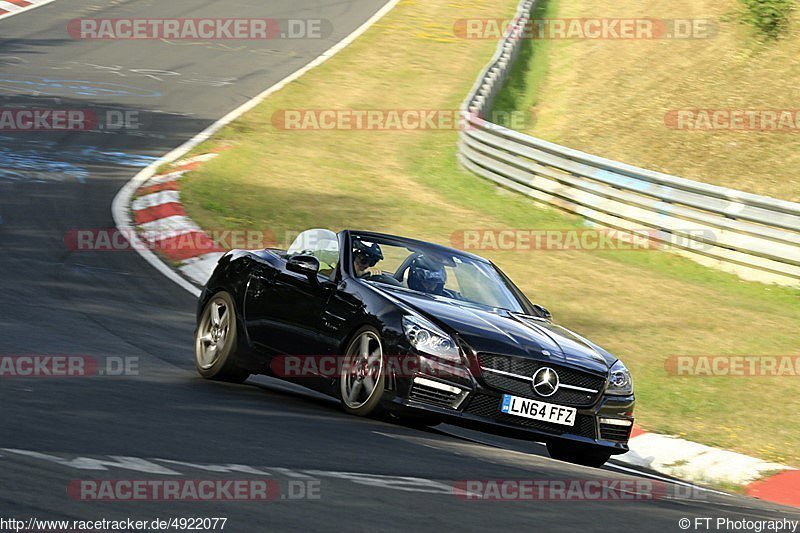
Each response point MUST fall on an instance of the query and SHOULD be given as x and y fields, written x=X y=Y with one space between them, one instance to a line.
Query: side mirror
x=544 y=313
x=304 y=264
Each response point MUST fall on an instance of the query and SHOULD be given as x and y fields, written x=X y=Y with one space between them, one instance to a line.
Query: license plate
x=546 y=412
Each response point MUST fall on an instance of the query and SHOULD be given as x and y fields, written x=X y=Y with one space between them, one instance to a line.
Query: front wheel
x=216 y=342
x=361 y=383
x=580 y=454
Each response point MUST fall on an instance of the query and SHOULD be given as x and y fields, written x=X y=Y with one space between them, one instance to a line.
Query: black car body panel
x=280 y=312
x=506 y=332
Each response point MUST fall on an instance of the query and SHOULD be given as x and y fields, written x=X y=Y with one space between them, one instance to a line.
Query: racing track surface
x=56 y=301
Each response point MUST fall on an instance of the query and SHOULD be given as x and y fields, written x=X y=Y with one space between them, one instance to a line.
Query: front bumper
x=464 y=400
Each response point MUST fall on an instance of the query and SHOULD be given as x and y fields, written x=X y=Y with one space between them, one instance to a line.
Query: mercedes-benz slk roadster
x=423 y=333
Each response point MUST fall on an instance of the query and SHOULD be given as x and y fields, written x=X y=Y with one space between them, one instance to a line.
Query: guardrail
x=755 y=237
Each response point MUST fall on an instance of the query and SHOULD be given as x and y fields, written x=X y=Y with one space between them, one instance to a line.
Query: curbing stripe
x=155 y=238
x=9 y=8
x=153 y=200
x=152 y=214
x=162 y=226
x=167 y=186
x=783 y=488
x=163 y=222
x=187 y=246
x=166 y=178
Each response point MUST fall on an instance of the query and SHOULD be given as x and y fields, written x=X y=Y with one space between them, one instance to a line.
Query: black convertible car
x=416 y=331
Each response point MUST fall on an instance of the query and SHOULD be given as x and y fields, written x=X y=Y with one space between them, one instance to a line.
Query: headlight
x=429 y=339
x=620 y=382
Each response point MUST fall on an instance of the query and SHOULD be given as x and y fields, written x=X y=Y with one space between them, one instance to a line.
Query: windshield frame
x=346 y=266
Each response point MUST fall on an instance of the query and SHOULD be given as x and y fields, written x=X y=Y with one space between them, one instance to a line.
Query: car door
x=283 y=309
x=343 y=311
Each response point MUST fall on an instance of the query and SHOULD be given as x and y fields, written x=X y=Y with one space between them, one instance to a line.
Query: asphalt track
x=371 y=475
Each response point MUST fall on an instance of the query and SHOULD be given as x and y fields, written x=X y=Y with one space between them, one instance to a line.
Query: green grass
x=523 y=86
x=770 y=17
x=643 y=306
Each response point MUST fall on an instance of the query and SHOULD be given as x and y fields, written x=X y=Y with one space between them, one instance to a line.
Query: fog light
x=616 y=422
x=440 y=394
x=436 y=385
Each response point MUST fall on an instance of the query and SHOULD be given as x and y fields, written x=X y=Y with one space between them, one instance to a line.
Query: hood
x=507 y=333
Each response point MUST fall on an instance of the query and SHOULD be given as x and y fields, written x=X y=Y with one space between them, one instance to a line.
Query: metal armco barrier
x=755 y=237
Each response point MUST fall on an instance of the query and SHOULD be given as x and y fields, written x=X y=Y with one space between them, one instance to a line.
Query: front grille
x=523 y=388
x=528 y=367
x=430 y=395
x=615 y=433
x=487 y=406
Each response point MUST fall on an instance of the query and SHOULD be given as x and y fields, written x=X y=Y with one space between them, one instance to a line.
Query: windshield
x=431 y=271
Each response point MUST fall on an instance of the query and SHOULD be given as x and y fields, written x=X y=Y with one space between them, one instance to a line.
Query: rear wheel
x=580 y=454
x=361 y=383
x=216 y=342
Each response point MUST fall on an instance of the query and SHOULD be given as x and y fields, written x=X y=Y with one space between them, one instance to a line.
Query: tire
x=362 y=379
x=579 y=454
x=216 y=341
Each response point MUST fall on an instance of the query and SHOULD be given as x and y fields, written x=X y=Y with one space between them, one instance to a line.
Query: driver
x=425 y=275
x=365 y=255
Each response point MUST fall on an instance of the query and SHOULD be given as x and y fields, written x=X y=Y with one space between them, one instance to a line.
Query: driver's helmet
x=425 y=275
x=370 y=252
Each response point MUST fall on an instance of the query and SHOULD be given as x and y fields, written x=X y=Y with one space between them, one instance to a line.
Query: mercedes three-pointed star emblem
x=545 y=382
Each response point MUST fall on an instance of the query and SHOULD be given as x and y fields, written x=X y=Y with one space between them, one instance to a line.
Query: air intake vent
x=615 y=432
x=432 y=392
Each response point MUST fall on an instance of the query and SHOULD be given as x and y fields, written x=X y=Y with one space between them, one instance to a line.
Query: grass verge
x=643 y=306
